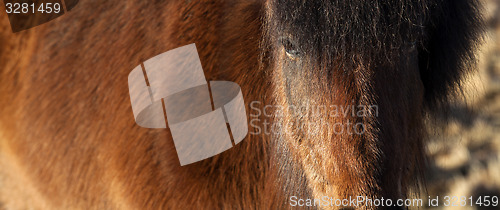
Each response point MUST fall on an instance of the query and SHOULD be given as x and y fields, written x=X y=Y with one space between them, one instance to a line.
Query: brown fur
x=68 y=139
x=67 y=128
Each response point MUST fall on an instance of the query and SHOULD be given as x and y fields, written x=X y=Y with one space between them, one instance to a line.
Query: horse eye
x=291 y=48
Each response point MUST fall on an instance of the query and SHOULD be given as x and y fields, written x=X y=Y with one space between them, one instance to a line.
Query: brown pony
x=68 y=139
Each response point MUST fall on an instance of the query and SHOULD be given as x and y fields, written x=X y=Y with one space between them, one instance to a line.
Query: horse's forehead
x=373 y=31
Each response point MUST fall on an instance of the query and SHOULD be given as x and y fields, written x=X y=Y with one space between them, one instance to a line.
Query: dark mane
x=448 y=50
x=360 y=32
x=408 y=56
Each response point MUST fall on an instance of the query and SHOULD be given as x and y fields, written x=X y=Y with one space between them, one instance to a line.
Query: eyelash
x=290 y=48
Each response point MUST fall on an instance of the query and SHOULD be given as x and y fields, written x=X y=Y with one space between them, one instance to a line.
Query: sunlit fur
x=406 y=57
x=68 y=139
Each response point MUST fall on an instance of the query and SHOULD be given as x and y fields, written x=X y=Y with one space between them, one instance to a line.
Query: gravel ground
x=465 y=152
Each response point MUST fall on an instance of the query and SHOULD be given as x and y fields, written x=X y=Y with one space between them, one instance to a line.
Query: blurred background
x=464 y=152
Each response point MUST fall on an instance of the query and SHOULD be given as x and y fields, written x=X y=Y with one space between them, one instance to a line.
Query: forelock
x=351 y=32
